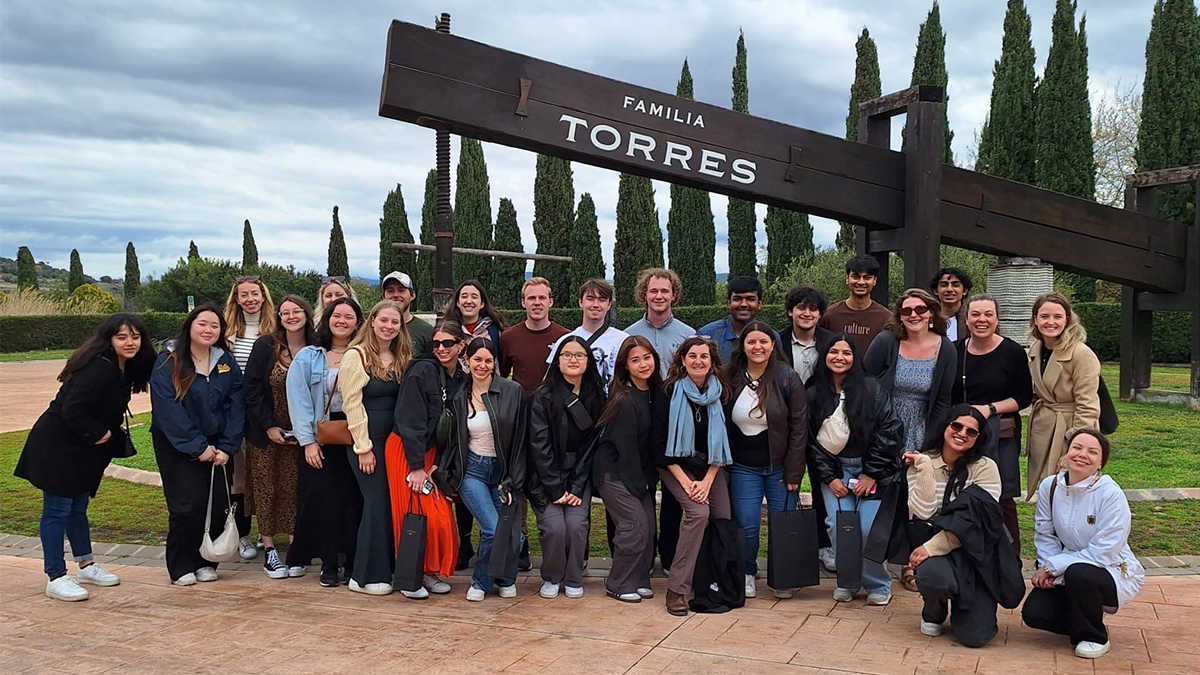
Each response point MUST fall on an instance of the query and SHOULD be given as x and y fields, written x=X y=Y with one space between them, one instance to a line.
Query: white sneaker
x=931 y=629
x=782 y=593
x=843 y=595
x=188 y=579
x=246 y=548
x=370 y=589
x=65 y=588
x=475 y=594
x=95 y=574
x=272 y=567
x=206 y=574
x=508 y=591
x=435 y=584
x=419 y=594
x=549 y=590
x=828 y=559
x=572 y=591
x=296 y=571
x=879 y=599
x=1084 y=650
x=646 y=592
x=751 y=588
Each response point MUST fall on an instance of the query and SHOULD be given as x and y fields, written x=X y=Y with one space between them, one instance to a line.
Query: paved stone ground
x=27 y=387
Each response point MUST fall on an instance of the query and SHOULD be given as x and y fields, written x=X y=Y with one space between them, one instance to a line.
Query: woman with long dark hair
x=329 y=504
x=767 y=418
x=855 y=438
x=623 y=469
x=73 y=441
x=562 y=423
x=198 y=423
x=274 y=460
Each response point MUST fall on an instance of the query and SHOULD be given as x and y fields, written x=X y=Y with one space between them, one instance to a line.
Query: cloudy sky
x=158 y=121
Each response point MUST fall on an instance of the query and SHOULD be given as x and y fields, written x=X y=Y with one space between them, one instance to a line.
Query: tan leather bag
x=333 y=432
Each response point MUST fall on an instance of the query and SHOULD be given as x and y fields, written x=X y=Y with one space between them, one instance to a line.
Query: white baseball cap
x=399 y=277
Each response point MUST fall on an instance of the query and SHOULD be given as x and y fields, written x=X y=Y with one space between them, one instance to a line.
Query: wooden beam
x=1164 y=177
x=1167 y=302
x=922 y=208
x=897 y=103
x=509 y=255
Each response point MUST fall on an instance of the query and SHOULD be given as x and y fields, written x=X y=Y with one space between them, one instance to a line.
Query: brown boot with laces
x=676 y=604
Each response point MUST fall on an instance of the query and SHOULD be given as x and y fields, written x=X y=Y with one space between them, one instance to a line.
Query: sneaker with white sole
x=549 y=590
x=435 y=584
x=782 y=593
x=370 y=589
x=65 y=588
x=879 y=599
x=1092 y=650
x=843 y=594
x=246 y=548
x=509 y=591
x=273 y=567
x=646 y=593
x=95 y=574
x=475 y=594
x=188 y=579
x=296 y=571
x=206 y=574
x=931 y=629
x=751 y=588
x=574 y=592
x=419 y=594
x=828 y=559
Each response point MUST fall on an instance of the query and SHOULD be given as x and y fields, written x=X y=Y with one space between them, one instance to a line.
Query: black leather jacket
x=548 y=477
x=419 y=405
x=882 y=453
x=506 y=406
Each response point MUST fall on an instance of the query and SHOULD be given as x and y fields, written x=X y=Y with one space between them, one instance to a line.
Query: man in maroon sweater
x=525 y=347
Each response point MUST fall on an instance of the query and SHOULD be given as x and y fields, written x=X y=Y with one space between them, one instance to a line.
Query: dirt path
x=27 y=387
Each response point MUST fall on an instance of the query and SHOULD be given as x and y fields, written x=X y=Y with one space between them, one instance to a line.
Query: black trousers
x=374 y=559
x=1076 y=608
x=818 y=504
x=974 y=627
x=670 y=514
x=465 y=521
x=328 y=510
x=186 y=489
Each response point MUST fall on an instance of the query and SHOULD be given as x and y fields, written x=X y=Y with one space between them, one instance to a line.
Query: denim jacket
x=212 y=412
x=306 y=392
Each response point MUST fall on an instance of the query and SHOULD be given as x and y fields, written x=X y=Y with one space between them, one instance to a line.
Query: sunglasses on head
x=244 y=279
x=921 y=310
x=444 y=344
x=961 y=428
x=340 y=279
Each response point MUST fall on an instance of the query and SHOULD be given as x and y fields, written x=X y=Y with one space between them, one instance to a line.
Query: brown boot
x=676 y=604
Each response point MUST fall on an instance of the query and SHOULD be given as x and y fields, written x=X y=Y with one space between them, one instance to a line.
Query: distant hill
x=49 y=277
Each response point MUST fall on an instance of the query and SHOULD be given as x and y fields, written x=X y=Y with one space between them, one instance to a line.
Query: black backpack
x=718 y=584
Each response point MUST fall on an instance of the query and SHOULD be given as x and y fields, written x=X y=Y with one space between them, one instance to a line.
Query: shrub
x=91 y=299
x=29 y=302
x=29 y=333
x=209 y=280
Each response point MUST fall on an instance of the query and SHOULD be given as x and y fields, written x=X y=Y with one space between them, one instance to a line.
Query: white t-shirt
x=750 y=421
x=604 y=350
x=479 y=430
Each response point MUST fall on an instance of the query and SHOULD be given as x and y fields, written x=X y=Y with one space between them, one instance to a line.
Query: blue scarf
x=681 y=438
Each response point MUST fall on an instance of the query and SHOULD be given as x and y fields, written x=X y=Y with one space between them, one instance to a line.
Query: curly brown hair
x=643 y=282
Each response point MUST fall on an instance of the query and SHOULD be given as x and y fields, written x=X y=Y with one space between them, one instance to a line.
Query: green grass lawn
x=40 y=355
x=1167 y=378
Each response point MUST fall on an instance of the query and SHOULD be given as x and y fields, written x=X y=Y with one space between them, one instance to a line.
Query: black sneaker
x=329 y=578
x=523 y=562
x=272 y=567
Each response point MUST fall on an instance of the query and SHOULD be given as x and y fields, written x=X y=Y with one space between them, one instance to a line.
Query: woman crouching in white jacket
x=1085 y=565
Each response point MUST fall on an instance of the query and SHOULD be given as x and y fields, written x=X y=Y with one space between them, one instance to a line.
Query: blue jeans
x=875 y=576
x=747 y=487
x=479 y=492
x=64 y=515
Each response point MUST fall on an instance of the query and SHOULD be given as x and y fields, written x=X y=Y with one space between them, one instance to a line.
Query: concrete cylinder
x=1016 y=283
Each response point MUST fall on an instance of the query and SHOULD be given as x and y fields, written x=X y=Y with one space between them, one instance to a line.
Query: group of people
x=332 y=424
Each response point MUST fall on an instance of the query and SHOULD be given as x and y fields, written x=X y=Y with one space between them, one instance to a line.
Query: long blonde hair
x=1072 y=335
x=319 y=309
x=235 y=318
x=368 y=343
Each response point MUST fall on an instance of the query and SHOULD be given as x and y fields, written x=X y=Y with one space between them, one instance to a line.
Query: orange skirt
x=441 y=536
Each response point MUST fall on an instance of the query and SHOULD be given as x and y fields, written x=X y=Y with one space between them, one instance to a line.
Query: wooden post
x=443 y=266
x=1137 y=325
x=875 y=130
x=1193 y=285
x=923 y=176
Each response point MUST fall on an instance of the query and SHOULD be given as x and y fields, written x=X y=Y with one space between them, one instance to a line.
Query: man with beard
x=398 y=287
x=858 y=316
x=744 y=302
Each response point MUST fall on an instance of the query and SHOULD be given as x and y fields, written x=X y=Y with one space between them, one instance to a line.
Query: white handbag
x=835 y=430
x=225 y=547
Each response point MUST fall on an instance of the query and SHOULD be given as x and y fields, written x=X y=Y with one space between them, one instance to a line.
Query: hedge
x=1172 y=330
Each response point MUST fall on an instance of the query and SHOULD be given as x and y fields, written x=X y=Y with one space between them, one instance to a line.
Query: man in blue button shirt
x=744 y=302
x=657 y=290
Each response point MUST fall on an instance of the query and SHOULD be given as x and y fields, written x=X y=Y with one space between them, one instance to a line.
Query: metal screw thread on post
x=444 y=237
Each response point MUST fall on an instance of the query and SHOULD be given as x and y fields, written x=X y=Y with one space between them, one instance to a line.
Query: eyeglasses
x=961 y=428
x=569 y=356
x=921 y=310
x=340 y=279
x=444 y=344
x=244 y=279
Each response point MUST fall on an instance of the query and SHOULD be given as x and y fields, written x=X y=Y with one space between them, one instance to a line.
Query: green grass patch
x=39 y=355
x=139 y=431
x=1166 y=378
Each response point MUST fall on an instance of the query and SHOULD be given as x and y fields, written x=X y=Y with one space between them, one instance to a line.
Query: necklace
x=754 y=383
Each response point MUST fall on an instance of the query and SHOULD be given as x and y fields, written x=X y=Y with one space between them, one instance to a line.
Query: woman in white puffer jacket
x=1085 y=565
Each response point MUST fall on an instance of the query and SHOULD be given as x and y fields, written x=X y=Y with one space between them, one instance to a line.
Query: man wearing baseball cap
x=398 y=287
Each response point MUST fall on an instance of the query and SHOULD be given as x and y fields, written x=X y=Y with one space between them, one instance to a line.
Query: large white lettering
x=742 y=171
x=681 y=152
x=641 y=143
x=710 y=163
x=574 y=123
x=604 y=128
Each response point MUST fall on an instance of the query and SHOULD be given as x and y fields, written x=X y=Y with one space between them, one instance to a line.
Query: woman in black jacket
x=485 y=463
x=72 y=442
x=856 y=444
x=199 y=420
x=562 y=422
x=623 y=469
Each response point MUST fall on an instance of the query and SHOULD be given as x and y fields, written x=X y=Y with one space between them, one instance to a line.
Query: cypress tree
x=866 y=87
x=133 y=275
x=425 y=261
x=507 y=275
x=929 y=67
x=193 y=252
x=393 y=227
x=26 y=269
x=1063 y=150
x=249 y=249
x=75 y=273
x=789 y=238
x=472 y=213
x=639 y=238
x=553 y=216
x=739 y=216
x=1169 y=134
x=1006 y=144
x=587 y=262
x=691 y=235
x=338 y=264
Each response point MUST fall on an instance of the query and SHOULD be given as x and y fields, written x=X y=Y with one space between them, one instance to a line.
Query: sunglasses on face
x=919 y=311
x=244 y=279
x=444 y=344
x=961 y=428
x=339 y=279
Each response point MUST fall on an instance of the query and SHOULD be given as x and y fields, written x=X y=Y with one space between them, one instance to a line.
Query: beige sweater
x=927 y=479
x=352 y=378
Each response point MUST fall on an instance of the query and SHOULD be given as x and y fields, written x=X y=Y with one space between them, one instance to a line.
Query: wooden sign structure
x=908 y=202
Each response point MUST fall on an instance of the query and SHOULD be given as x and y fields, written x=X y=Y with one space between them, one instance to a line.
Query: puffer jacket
x=507 y=408
x=882 y=451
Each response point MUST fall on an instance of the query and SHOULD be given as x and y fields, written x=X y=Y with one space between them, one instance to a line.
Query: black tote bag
x=792 y=549
x=849 y=549
x=410 y=558
x=506 y=545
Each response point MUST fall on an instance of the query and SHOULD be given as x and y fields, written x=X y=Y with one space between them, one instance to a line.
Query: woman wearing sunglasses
x=915 y=362
x=964 y=562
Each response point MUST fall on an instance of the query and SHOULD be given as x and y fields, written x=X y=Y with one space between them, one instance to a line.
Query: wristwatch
x=991 y=410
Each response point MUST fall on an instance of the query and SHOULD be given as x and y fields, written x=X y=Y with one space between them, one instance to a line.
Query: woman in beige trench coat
x=1066 y=385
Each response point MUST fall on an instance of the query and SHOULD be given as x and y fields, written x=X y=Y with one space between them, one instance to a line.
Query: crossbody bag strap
x=595 y=336
x=329 y=397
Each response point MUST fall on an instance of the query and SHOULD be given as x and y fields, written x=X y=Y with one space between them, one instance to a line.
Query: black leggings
x=1076 y=608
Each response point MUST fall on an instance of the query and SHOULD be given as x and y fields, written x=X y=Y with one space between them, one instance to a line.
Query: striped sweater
x=241 y=346
x=927 y=479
